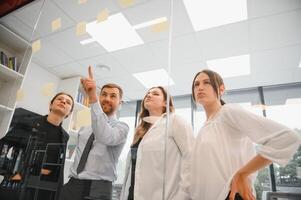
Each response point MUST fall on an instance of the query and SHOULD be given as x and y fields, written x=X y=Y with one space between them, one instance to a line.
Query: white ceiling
x=271 y=35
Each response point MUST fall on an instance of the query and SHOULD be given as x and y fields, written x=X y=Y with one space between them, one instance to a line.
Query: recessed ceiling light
x=158 y=77
x=114 y=33
x=231 y=66
x=293 y=101
x=87 y=41
x=206 y=14
x=150 y=23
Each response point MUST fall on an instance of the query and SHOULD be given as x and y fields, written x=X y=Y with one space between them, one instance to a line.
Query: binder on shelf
x=4 y=59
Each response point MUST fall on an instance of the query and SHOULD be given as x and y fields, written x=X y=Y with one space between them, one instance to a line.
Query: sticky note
x=83 y=118
x=160 y=27
x=36 y=46
x=56 y=24
x=48 y=89
x=20 y=95
x=82 y=1
x=81 y=28
x=126 y=3
x=103 y=15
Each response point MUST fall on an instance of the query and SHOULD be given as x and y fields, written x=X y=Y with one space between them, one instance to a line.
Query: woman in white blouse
x=158 y=158
x=224 y=160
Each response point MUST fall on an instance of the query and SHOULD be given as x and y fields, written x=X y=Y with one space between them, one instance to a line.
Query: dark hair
x=143 y=126
x=113 y=85
x=215 y=80
x=60 y=93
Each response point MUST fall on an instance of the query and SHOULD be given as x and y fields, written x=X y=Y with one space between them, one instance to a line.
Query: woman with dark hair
x=224 y=160
x=159 y=153
x=49 y=137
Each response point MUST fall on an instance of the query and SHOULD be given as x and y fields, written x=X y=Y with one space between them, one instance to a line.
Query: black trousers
x=77 y=189
x=237 y=196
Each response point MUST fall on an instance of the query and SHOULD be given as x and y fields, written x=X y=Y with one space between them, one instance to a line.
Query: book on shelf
x=82 y=99
x=10 y=62
x=4 y=59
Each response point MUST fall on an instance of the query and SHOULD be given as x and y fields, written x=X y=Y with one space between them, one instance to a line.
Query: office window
x=284 y=106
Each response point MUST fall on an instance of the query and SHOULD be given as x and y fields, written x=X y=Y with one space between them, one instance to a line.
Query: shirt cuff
x=96 y=108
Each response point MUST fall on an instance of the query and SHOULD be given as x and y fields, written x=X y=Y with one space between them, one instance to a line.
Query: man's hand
x=89 y=86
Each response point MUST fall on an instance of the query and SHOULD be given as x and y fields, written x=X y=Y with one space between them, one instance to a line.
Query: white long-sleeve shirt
x=110 y=137
x=226 y=143
x=150 y=161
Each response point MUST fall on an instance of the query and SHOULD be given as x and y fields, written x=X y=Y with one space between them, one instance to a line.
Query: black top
x=52 y=144
x=38 y=132
x=134 y=149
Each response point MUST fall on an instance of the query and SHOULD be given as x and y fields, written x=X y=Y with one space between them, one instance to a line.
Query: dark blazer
x=22 y=129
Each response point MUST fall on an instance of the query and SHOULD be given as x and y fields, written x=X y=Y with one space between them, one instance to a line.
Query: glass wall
x=283 y=104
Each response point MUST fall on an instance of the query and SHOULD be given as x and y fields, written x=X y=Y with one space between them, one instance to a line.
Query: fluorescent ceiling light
x=158 y=77
x=114 y=33
x=150 y=23
x=300 y=64
x=87 y=41
x=231 y=66
x=206 y=14
x=293 y=101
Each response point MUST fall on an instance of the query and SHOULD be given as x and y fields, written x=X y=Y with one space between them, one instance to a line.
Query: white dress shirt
x=110 y=137
x=226 y=143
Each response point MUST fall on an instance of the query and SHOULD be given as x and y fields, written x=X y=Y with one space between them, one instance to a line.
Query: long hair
x=215 y=80
x=143 y=126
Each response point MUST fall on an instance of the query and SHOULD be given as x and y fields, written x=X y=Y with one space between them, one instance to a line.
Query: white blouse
x=149 y=174
x=226 y=142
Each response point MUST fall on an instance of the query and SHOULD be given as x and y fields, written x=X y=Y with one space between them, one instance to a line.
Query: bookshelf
x=11 y=80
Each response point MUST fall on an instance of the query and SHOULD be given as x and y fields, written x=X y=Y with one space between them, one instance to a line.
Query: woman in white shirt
x=224 y=160
x=159 y=153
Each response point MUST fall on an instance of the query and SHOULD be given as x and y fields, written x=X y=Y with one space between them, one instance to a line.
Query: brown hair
x=143 y=126
x=63 y=93
x=113 y=85
x=215 y=80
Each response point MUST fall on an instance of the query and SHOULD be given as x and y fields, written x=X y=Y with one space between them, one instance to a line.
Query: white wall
x=35 y=80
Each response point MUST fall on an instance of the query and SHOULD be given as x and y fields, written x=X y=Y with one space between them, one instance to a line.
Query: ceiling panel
x=70 y=44
x=276 y=59
x=260 y=8
x=69 y=70
x=137 y=59
x=224 y=41
x=275 y=31
x=50 y=12
x=50 y=56
x=87 y=11
x=116 y=69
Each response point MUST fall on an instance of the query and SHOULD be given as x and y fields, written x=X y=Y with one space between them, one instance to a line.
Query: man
x=98 y=147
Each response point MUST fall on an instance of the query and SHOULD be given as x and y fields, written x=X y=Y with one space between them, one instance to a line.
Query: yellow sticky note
x=126 y=3
x=83 y=118
x=20 y=95
x=103 y=15
x=160 y=27
x=56 y=24
x=81 y=28
x=82 y=1
x=48 y=89
x=36 y=46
